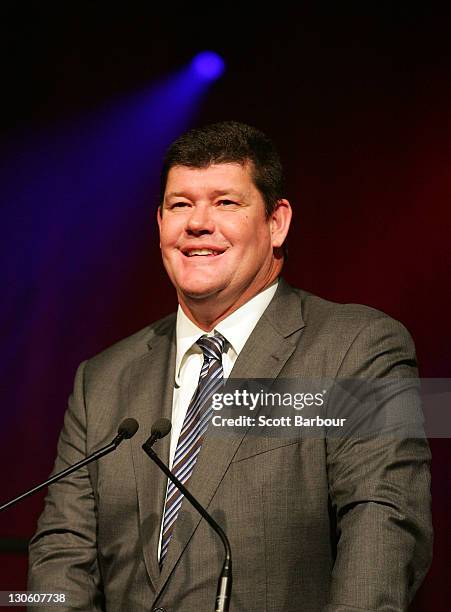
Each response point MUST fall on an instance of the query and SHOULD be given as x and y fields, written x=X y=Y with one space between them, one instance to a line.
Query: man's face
x=214 y=236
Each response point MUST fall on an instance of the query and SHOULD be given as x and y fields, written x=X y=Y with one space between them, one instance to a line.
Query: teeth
x=201 y=252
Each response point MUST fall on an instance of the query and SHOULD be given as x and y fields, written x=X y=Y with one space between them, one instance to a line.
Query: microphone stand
x=225 y=579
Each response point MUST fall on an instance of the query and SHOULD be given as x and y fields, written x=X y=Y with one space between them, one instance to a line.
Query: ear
x=280 y=222
x=159 y=220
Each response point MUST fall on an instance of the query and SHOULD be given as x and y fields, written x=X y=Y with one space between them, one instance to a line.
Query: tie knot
x=212 y=346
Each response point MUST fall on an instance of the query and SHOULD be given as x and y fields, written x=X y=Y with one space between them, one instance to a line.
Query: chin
x=199 y=294
x=199 y=291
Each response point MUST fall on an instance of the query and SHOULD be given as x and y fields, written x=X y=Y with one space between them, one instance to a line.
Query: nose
x=200 y=220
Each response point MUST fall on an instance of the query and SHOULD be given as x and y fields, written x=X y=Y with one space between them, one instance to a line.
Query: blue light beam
x=208 y=65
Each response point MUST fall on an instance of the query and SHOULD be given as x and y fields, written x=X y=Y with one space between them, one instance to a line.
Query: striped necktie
x=195 y=425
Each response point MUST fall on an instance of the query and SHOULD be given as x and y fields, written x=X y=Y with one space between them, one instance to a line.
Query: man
x=315 y=524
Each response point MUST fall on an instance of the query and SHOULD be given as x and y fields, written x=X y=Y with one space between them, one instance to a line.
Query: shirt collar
x=236 y=328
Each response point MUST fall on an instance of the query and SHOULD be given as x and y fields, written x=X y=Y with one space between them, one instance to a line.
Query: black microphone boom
x=126 y=430
x=160 y=429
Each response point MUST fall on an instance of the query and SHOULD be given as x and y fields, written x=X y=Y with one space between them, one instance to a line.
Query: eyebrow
x=215 y=193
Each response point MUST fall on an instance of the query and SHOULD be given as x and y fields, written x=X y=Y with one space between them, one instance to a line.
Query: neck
x=206 y=313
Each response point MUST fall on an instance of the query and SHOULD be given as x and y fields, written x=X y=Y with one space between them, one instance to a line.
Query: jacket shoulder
x=323 y=319
x=353 y=338
x=326 y=314
x=128 y=349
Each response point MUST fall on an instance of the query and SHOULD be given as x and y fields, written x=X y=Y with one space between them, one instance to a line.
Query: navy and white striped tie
x=195 y=425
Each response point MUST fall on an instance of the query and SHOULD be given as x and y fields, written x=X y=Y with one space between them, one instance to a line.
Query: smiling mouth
x=202 y=253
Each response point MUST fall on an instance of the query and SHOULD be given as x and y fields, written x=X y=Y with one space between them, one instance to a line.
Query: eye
x=227 y=203
x=179 y=205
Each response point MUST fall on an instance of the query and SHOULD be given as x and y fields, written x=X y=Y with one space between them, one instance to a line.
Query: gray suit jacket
x=314 y=524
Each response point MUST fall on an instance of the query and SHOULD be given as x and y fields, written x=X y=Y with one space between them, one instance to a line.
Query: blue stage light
x=208 y=65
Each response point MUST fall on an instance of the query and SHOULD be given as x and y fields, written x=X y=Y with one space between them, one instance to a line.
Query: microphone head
x=161 y=428
x=128 y=428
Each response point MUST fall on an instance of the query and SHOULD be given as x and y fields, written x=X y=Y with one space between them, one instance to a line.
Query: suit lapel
x=151 y=389
x=266 y=351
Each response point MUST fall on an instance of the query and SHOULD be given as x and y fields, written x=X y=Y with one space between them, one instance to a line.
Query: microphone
x=159 y=429
x=126 y=430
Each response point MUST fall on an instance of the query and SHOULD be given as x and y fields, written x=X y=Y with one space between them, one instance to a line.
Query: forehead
x=217 y=179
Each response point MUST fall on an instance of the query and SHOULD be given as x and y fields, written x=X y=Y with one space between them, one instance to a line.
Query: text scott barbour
x=286 y=421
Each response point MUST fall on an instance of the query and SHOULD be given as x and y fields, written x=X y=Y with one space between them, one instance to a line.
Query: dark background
x=358 y=101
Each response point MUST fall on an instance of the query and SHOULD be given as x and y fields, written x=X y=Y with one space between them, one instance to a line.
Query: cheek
x=256 y=238
x=169 y=233
x=242 y=230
